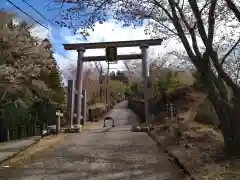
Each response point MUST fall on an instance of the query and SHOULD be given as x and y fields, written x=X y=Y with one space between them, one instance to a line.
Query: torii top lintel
x=148 y=42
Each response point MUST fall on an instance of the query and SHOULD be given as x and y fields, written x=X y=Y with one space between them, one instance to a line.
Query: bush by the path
x=206 y=114
x=197 y=146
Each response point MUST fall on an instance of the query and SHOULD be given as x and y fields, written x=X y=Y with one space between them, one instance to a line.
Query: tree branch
x=229 y=52
x=181 y=33
x=234 y=8
x=163 y=8
x=199 y=22
x=212 y=54
x=221 y=72
x=211 y=25
x=172 y=31
x=191 y=31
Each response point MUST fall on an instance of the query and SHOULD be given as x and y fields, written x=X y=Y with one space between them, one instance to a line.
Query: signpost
x=70 y=101
x=111 y=54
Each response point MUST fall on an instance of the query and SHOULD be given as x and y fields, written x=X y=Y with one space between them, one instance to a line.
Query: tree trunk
x=230 y=127
x=230 y=133
x=228 y=115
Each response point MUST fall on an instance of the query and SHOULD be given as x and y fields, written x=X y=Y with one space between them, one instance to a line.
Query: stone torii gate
x=111 y=55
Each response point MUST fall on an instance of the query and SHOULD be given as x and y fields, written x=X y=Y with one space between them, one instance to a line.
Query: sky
x=111 y=30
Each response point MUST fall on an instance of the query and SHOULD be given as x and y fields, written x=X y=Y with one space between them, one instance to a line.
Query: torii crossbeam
x=81 y=47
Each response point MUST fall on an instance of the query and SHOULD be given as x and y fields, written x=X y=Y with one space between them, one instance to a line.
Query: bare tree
x=234 y=6
x=133 y=70
x=128 y=68
x=100 y=70
x=99 y=67
x=197 y=25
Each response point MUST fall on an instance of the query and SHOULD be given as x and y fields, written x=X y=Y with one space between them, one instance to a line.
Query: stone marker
x=59 y=115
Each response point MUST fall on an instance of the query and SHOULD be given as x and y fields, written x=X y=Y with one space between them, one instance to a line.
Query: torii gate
x=111 y=55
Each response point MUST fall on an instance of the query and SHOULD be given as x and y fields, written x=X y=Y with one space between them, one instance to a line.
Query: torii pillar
x=147 y=84
x=79 y=87
x=80 y=47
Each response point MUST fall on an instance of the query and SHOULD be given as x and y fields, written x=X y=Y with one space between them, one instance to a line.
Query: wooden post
x=70 y=101
x=84 y=107
x=58 y=125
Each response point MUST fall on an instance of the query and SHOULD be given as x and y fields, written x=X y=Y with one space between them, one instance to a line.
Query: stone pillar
x=79 y=85
x=84 y=107
x=58 y=125
x=145 y=74
x=70 y=101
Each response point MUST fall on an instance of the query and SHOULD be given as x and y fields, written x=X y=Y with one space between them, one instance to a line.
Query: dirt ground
x=197 y=146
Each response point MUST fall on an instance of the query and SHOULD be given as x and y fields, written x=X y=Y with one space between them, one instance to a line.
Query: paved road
x=7 y=149
x=100 y=154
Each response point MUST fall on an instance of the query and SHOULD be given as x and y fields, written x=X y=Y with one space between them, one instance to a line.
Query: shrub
x=179 y=129
x=206 y=114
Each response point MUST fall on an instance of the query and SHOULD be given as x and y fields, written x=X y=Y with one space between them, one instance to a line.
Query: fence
x=168 y=110
x=18 y=122
x=171 y=110
x=19 y=129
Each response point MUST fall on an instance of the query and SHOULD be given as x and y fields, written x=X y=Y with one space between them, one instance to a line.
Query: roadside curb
x=20 y=150
x=30 y=150
x=175 y=159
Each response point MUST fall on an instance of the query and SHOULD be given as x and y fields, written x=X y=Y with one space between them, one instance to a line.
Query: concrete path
x=8 y=149
x=100 y=154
